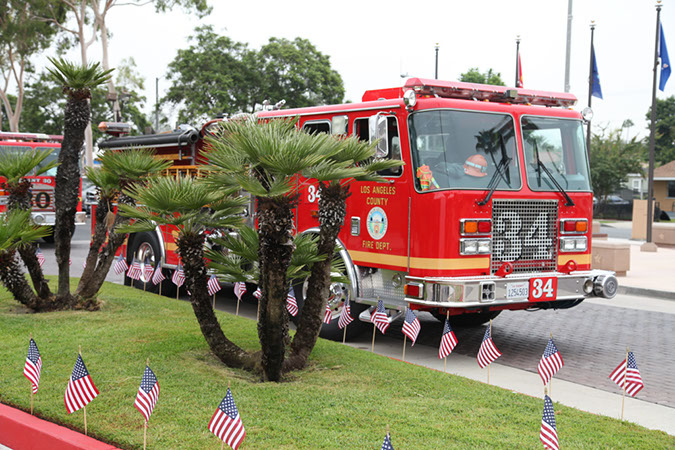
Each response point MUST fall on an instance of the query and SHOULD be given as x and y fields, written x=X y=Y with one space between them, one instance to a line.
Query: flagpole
x=214 y=302
x=517 y=61
x=405 y=337
x=445 y=359
x=344 y=332
x=30 y=336
x=160 y=286
x=238 y=300
x=590 y=89
x=372 y=346
x=177 y=291
x=550 y=381
x=625 y=375
x=488 y=367
x=649 y=246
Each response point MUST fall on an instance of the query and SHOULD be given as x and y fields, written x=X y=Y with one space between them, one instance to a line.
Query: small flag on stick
x=548 y=433
x=226 y=422
x=80 y=390
x=148 y=392
x=158 y=277
x=627 y=376
x=213 y=285
x=487 y=352
x=386 y=445
x=33 y=366
x=134 y=271
x=291 y=302
x=551 y=362
x=448 y=341
x=345 y=316
x=379 y=317
x=178 y=277
x=239 y=291
x=120 y=265
x=328 y=315
x=148 y=270
x=411 y=325
x=40 y=256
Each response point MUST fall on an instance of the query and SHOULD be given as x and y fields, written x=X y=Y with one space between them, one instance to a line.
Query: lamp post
x=436 y=72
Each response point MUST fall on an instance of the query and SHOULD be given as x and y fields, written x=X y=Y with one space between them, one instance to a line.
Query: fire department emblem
x=377 y=223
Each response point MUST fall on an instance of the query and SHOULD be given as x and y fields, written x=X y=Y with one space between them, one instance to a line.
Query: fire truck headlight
x=475 y=246
x=484 y=247
x=587 y=114
x=581 y=244
x=410 y=98
x=573 y=244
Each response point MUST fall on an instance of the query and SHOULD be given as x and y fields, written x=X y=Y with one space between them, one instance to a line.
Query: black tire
x=467 y=320
x=146 y=244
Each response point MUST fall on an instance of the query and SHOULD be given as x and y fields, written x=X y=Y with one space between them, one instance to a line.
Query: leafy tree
x=665 y=130
x=77 y=82
x=21 y=36
x=474 y=75
x=612 y=159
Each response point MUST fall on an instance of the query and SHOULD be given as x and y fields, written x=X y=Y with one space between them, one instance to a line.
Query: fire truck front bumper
x=472 y=292
x=49 y=218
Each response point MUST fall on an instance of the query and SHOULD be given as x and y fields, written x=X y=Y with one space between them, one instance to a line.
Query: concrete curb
x=643 y=292
x=20 y=430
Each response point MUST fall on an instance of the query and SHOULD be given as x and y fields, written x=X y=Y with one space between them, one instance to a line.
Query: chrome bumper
x=472 y=292
x=49 y=218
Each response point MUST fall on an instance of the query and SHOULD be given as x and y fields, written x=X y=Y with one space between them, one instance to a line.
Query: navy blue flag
x=596 y=90
x=665 y=61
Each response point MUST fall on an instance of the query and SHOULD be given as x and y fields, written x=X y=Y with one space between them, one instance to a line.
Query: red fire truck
x=42 y=186
x=490 y=211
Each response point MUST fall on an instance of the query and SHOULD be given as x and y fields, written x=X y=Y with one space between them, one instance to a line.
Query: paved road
x=592 y=337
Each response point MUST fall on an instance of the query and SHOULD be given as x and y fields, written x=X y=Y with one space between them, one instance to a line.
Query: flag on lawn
x=487 y=352
x=158 y=277
x=345 y=316
x=596 y=90
x=550 y=363
x=80 y=390
x=292 y=303
x=665 y=61
x=134 y=271
x=379 y=317
x=548 y=433
x=328 y=315
x=386 y=445
x=213 y=285
x=33 y=366
x=178 y=277
x=84 y=264
x=240 y=289
x=448 y=341
x=120 y=265
x=629 y=374
x=148 y=392
x=40 y=256
x=258 y=293
x=226 y=422
x=148 y=270
x=411 y=325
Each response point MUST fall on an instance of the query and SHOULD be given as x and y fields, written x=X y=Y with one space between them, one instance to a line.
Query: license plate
x=543 y=289
x=516 y=291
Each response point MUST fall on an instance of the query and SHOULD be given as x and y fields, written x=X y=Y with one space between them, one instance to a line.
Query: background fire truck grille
x=524 y=233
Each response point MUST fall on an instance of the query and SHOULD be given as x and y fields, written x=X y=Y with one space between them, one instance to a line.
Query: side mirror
x=378 y=131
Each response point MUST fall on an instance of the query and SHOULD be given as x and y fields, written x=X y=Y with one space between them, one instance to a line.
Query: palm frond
x=15 y=165
x=77 y=77
x=107 y=182
x=133 y=164
x=16 y=230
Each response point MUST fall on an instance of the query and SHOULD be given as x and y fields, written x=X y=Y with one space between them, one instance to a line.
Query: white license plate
x=518 y=290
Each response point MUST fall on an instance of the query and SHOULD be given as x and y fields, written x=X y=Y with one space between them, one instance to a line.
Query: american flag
x=411 y=325
x=240 y=289
x=448 y=341
x=386 y=445
x=213 y=285
x=487 y=352
x=134 y=271
x=292 y=303
x=178 y=277
x=328 y=315
x=550 y=363
x=84 y=264
x=226 y=422
x=379 y=317
x=629 y=374
x=345 y=316
x=258 y=293
x=120 y=265
x=148 y=392
x=33 y=366
x=158 y=277
x=148 y=270
x=40 y=256
x=548 y=433
x=80 y=390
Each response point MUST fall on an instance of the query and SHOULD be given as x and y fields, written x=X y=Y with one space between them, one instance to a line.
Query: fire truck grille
x=524 y=234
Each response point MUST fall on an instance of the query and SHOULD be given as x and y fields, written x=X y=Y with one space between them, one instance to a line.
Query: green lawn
x=345 y=400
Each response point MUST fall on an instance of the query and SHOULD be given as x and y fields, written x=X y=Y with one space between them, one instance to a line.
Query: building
x=664 y=187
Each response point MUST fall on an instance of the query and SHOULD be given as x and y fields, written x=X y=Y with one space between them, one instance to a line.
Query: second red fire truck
x=490 y=211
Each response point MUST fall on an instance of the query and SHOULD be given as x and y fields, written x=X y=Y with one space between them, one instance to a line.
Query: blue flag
x=596 y=90
x=665 y=61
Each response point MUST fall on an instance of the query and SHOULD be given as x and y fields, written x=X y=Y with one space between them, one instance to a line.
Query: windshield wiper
x=502 y=166
x=540 y=165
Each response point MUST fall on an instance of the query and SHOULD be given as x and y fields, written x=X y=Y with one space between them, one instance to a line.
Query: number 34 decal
x=543 y=289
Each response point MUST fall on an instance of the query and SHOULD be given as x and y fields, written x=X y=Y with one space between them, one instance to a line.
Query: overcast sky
x=371 y=44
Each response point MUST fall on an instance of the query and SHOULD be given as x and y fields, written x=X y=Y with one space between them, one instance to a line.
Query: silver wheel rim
x=338 y=294
x=145 y=251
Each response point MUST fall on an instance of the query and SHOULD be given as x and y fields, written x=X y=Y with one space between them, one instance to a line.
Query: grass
x=345 y=400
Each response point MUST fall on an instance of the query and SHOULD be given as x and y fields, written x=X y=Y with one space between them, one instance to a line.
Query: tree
x=665 y=130
x=21 y=36
x=474 y=75
x=612 y=159
x=77 y=82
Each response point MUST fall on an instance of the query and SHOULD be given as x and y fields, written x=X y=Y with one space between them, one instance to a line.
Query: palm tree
x=191 y=207
x=17 y=231
x=77 y=82
x=119 y=170
x=14 y=166
x=265 y=159
x=354 y=162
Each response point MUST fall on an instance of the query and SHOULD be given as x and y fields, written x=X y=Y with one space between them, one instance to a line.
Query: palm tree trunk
x=275 y=231
x=76 y=118
x=15 y=282
x=191 y=249
x=332 y=211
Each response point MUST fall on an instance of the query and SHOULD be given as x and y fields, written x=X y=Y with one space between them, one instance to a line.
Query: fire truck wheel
x=468 y=319
x=146 y=246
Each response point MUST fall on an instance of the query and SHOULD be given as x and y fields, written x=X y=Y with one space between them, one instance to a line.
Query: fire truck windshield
x=16 y=149
x=462 y=150
x=560 y=146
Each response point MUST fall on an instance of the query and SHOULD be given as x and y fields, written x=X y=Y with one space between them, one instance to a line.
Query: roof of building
x=665 y=171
